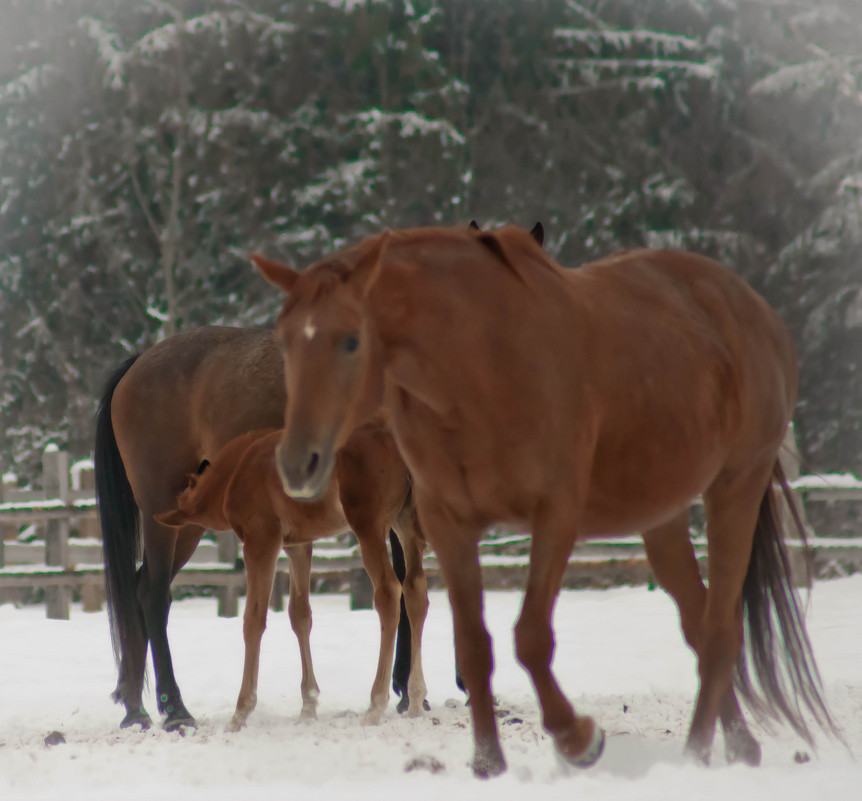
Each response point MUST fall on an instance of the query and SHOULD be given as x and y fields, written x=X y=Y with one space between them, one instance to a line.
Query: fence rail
x=64 y=557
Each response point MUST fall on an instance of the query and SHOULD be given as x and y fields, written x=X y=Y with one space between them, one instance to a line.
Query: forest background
x=147 y=147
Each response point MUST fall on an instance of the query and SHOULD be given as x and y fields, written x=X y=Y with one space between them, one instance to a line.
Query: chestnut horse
x=596 y=401
x=241 y=490
x=161 y=415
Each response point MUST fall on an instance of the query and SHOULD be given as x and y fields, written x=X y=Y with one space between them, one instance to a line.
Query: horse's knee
x=534 y=645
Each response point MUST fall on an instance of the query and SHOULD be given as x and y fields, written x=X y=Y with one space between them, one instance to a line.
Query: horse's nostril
x=312 y=464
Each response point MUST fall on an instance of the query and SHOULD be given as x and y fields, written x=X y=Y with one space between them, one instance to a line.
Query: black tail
x=768 y=594
x=120 y=520
x=401 y=666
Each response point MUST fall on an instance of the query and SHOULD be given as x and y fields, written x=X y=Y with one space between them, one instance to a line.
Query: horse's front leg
x=456 y=547
x=299 y=611
x=387 y=596
x=260 y=552
x=578 y=739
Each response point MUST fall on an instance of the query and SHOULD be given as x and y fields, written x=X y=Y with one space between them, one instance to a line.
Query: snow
x=620 y=657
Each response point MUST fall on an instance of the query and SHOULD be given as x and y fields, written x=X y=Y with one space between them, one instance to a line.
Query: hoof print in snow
x=511 y=721
x=501 y=713
x=801 y=757
x=451 y=703
x=428 y=763
x=55 y=738
x=434 y=722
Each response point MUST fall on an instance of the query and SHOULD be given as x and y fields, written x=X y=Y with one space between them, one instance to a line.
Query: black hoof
x=137 y=717
x=403 y=704
x=179 y=719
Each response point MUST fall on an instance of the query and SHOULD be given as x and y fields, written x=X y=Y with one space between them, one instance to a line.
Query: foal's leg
x=260 y=552
x=415 y=595
x=166 y=550
x=456 y=548
x=387 y=594
x=671 y=557
x=579 y=740
x=299 y=610
x=732 y=506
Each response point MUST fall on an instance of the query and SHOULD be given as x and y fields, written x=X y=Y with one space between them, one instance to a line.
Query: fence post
x=228 y=595
x=55 y=479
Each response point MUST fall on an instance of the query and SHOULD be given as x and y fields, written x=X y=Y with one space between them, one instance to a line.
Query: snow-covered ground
x=620 y=656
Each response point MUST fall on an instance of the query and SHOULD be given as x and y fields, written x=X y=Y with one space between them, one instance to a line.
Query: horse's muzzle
x=304 y=473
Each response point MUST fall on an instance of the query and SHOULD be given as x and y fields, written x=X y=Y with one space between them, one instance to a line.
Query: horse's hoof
x=744 y=750
x=403 y=704
x=489 y=763
x=176 y=721
x=308 y=713
x=137 y=717
x=699 y=754
x=372 y=717
x=234 y=724
x=590 y=755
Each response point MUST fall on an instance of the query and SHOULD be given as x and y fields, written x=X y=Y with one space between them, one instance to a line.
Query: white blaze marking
x=309 y=329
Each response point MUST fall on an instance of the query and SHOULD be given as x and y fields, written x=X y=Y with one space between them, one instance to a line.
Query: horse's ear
x=279 y=275
x=366 y=269
x=473 y=225
x=538 y=233
x=175 y=518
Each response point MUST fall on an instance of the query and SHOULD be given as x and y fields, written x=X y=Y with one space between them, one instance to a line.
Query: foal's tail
x=768 y=593
x=120 y=520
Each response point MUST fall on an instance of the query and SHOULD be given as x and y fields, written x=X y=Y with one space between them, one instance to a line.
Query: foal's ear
x=538 y=233
x=473 y=226
x=175 y=518
x=279 y=275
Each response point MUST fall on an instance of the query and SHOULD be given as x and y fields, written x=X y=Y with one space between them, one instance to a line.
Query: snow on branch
x=28 y=83
x=804 y=79
x=109 y=46
x=164 y=38
x=410 y=124
x=660 y=43
x=342 y=181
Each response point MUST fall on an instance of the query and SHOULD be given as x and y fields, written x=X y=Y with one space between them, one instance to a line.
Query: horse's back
x=188 y=395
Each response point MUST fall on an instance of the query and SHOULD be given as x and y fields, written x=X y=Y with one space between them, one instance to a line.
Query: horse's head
x=194 y=505
x=332 y=374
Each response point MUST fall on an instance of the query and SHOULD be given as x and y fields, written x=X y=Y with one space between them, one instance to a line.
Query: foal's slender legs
x=299 y=611
x=732 y=506
x=261 y=555
x=671 y=557
x=578 y=739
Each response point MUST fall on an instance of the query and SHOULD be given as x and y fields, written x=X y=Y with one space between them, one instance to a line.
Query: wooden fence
x=63 y=556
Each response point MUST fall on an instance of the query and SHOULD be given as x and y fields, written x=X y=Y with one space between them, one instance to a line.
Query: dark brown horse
x=596 y=401
x=162 y=414
x=241 y=490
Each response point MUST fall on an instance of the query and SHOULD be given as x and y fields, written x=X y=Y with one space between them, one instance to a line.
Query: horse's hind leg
x=671 y=557
x=732 y=505
x=387 y=593
x=130 y=685
x=415 y=594
x=299 y=611
x=579 y=740
x=261 y=555
x=166 y=550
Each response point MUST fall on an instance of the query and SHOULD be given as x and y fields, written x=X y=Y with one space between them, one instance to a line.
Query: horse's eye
x=351 y=343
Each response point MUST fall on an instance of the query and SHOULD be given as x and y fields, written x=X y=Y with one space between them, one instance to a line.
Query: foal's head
x=332 y=379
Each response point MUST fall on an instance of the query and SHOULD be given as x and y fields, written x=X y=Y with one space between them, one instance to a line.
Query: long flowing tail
x=120 y=520
x=786 y=674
